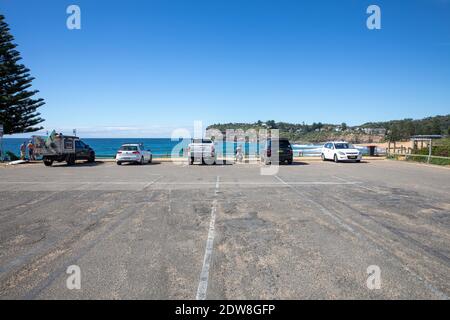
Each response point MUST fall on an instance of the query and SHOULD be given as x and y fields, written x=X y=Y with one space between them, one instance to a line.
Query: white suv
x=340 y=151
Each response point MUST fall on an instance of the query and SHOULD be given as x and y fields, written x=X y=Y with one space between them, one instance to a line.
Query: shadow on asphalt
x=295 y=163
x=218 y=164
x=81 y=164
x=299 y=163
x=139 y=165
x=348 y=162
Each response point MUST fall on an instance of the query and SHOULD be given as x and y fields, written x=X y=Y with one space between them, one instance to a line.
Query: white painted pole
x=429 y=151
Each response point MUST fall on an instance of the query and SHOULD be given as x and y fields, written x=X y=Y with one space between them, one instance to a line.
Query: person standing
x=30 y=147
x=23 y=148
x=239 y=156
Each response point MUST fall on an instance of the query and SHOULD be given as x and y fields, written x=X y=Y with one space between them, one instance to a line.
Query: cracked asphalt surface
x=308 y=232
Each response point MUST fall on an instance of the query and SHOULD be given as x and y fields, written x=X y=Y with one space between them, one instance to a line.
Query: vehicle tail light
x=212 y=151
x=119 y=152
x=290 y=151
x=135 y=152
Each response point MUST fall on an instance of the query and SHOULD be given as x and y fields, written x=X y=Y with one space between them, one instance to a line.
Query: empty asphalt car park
x=167 y=231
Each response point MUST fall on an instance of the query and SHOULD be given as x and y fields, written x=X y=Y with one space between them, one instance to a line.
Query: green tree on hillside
x=435 y=127
x=271 y=124
x=394 y=133
x=18 y=109
x=320 y=126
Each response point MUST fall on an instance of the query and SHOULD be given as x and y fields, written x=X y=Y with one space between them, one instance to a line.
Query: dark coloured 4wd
x=280 y=152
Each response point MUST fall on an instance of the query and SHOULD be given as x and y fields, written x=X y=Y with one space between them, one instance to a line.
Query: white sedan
x=133 y=153
x=340 y=151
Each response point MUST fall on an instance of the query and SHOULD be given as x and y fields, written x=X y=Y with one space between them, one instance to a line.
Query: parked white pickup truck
x=202 y=150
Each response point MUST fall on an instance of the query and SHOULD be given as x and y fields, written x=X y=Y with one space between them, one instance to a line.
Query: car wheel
x=48 y=162
x=119 y=163
x=91 y=157
x=336 y=159
x=142 y=161
x=358 y=161
x=323 y=157
x=191 y=161
x=290 y=162
x=150 y=160
x=70 y=160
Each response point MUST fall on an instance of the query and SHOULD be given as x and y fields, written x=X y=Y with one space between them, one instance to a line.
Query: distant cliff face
x=315 y=136
x=350 y=137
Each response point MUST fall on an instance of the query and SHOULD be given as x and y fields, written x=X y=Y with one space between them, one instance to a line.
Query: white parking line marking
x=254 y=183
x=185 y=183
x=150 y=183
x=69 y=183
x=361 y=186
x=204 y=275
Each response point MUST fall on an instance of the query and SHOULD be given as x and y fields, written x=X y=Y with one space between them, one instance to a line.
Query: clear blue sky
x=142 y=68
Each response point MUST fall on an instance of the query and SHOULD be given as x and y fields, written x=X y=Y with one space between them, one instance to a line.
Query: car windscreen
x=283 y=144
x=128 y=148
x=343 y=146
x=201 y=141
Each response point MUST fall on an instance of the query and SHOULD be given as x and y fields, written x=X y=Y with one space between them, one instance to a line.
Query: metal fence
x=427 y=157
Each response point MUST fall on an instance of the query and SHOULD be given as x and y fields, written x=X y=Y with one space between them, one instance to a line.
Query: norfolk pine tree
x=18 y=109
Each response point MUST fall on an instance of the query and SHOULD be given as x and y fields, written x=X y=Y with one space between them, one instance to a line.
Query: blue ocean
x=160 y=147
x=106 y=147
